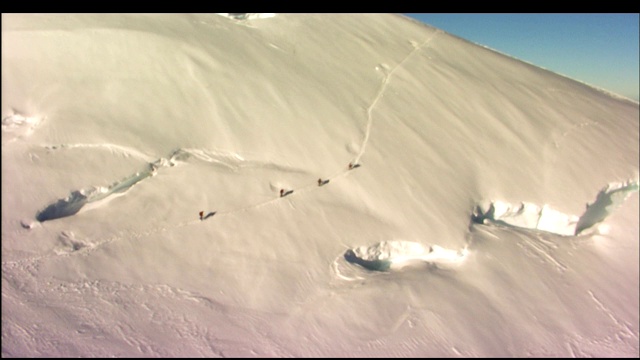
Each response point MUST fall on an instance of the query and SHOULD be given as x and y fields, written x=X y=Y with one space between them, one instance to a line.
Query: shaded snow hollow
x=534 y=217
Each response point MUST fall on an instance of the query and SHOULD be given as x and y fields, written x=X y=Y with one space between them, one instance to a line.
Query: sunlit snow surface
x=433 y=193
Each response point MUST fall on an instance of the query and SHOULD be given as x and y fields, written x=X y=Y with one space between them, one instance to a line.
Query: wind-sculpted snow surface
x=531 y=216
x=383 y=132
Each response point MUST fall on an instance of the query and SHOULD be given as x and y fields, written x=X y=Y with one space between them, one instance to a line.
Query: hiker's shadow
x=209 y=215
x=323 y=182
x=287 y=193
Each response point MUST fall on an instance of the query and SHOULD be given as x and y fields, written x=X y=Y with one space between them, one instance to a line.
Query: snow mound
x=247 y=16
x=395 y=255
x=531 y=216
x=18 y=126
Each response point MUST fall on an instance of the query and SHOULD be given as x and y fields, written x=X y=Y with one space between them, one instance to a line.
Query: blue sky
x=598 y=49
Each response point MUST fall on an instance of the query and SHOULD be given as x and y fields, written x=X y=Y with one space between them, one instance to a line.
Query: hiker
x=201 y=214
x=350 y=166
x=319 y=182
x=281 y=192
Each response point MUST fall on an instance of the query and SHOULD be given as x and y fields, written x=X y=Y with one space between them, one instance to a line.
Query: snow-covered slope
x=117 y=130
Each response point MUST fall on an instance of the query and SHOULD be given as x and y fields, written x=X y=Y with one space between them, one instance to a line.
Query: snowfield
x=370 y=187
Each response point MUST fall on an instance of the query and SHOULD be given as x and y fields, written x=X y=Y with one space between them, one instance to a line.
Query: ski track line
x=129 y=151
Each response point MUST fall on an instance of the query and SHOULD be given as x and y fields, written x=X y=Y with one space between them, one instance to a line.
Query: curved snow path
x=383 y=87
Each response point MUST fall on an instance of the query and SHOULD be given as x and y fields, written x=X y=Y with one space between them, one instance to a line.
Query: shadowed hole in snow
x=608 y=200
x=395 y=255
x=79 y=198
x=534 y=217
x=63 y=207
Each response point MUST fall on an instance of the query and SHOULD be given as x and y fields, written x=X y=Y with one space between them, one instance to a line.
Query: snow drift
x=148 y=120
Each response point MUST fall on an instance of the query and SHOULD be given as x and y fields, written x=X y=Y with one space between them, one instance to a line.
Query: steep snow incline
x=227 y=111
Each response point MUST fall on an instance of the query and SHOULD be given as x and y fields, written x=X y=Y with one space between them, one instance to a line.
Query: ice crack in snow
x=533 y=217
